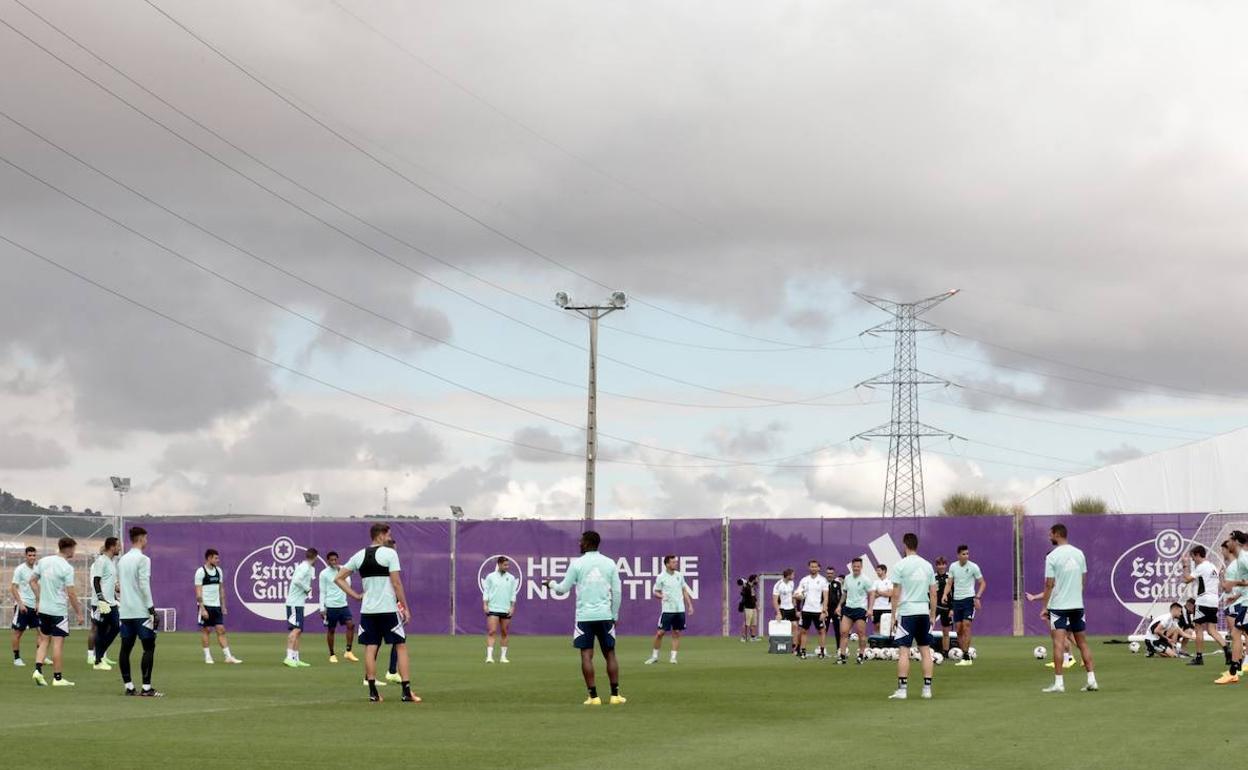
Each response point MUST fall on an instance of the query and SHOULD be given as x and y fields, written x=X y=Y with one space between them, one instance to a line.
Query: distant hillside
x=9 y=504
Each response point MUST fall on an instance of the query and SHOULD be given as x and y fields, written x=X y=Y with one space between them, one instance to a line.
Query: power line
x=355 y=394
x=1050 y=375
x=364 y=244
x=380 y=316
x=350 y=339
x=1062 y=423
x=1137 y=423
x=431 y=193
x=1058 y=471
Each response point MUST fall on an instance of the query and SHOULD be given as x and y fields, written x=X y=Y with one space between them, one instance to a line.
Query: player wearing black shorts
x=835 y=591
x=944 y=602
x=1199 y=570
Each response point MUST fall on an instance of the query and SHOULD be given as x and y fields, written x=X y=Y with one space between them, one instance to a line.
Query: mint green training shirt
x=499 y=591
x=1067 y=566
x=856 y=590
x=598 y=587
x=672 y=585
x=964 y=579
x=331 y=594
x=915 y=576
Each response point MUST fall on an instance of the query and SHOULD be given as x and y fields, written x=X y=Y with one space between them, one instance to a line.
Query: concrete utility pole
x=618 y=301
x=903 y=485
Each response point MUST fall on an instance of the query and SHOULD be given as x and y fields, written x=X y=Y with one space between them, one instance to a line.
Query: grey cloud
x=284 y=439
x=1119 y=454
x=536 y=436
x=742 y=440
x=472 y=487
x=23 y=451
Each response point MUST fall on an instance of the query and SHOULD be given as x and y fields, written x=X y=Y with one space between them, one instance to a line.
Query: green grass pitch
x=726 y=704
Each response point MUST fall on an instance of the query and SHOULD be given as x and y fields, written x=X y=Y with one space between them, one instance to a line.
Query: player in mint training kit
x=853 y=610
x=1205 y=618
x=53 y=581
x=210 y=600
x=25 y=614
x=138 y=613
x=296 y=597
x=334 y=609
x=671 y=588
x=384 y=608
x=105 y=618
x=598 y=597
x=914 y=608
x=1065 y=572
x=498 y=602
x=968 y=589
x=1234 y=581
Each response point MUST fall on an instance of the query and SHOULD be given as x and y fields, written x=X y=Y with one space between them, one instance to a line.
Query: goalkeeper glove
x=103 y=607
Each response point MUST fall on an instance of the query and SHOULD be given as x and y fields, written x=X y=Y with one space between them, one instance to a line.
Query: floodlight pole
x=593 y=313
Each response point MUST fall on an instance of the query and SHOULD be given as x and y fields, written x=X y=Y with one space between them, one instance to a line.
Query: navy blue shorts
x=963 y=610
x=381 y=628
x=25 y=620
x=53 y=625
x=294 y=618
x=1068 y=620
x=337 y=616
x=1239 y=616
x=214 y=617
x=944 y=616
x=855 y=614
x=589 y=630
x=499 y=615
x=914 y=629
x=138 y=627
x=789 y=615
x=672 y=621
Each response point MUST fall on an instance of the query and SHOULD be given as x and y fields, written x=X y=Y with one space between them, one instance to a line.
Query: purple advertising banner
x=1134 y=567
x=542 y=549
x=768 y=547
x=257 y=559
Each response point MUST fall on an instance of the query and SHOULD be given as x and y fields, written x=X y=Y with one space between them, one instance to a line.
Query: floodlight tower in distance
x=121 y=486
x=617 y=301
x=311 y=499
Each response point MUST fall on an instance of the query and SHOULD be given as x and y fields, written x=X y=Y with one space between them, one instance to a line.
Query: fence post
x=1019 y=599
x=454 y=556
x=726 y=606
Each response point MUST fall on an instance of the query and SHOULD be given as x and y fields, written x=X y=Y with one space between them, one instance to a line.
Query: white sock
x=146 y=687
x=1059 y=680
x=207 y=654
x=504 y=649
x=129 y=685
x=489 y=652
x=91 y=655
x=290 y=653
x=654 y=654
x=673 y=655
x=226 y=652
x=1092 y=679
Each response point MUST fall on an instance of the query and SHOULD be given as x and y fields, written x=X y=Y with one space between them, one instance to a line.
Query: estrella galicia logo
x=491 y=564
x=1150 y=573
x=262 y=578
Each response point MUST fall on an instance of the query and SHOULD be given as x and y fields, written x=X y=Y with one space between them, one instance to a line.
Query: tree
x=961 y=504
x=1089 y=505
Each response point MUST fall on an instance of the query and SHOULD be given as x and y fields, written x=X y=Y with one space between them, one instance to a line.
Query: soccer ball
x=1134 y=647
x=914 y=654
x=869 y=654
x=937 y=658
x=971 y=653
x=956 y=653
x=853 y=637
x=1068 y=660
x=1040 y=653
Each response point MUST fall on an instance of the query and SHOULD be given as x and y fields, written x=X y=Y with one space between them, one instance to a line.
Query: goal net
x=1215 y=528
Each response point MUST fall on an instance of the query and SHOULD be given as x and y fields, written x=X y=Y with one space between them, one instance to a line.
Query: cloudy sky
x=252 y=249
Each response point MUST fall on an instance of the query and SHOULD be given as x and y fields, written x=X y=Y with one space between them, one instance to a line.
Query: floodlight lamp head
x=120 y=484
x=457 y=511
x=311 y=498
x=619 y=299
x=562 y=299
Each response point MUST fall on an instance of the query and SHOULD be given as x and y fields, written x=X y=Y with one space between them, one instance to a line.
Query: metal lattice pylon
x=903 y=485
